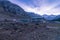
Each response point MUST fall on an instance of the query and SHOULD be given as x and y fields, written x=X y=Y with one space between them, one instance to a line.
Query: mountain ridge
x=14 y=11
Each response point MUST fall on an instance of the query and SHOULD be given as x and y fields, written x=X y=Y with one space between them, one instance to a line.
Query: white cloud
x=42 y=7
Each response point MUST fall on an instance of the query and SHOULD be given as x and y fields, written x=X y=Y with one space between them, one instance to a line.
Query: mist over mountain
x=49 y=17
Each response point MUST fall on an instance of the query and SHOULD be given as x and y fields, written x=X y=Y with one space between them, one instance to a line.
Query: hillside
x=10 y=10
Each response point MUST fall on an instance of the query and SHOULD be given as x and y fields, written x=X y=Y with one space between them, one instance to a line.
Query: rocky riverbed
x=21 y=31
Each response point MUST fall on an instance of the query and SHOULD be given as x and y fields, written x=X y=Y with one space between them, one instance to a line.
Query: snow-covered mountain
x=49 y=17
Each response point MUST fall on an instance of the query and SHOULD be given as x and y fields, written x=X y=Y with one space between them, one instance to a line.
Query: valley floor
x=30 y=31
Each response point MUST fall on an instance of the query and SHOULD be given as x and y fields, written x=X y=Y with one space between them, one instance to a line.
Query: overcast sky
x=40 y=6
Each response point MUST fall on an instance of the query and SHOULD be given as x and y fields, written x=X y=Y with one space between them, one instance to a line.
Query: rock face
x=10 y=10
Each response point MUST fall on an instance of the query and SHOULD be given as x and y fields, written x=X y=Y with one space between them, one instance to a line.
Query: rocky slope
x=30 y=31
x=10 y=10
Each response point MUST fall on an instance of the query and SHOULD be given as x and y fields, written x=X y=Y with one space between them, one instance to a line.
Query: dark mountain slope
x=57 y=18
x=10 y=10
x=33 y=15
